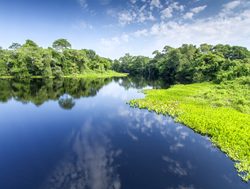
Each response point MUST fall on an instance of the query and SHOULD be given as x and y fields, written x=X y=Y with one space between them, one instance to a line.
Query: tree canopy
x=189 y=63
x=61 y=44
x=31 y=60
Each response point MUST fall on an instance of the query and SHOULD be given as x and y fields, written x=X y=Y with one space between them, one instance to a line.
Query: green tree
x=207 y=67
x=29 y=43
x=15 y=46
x=61 y=44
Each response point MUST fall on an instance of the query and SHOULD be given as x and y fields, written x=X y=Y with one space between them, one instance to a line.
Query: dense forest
x=188 y=64
x=59 y=60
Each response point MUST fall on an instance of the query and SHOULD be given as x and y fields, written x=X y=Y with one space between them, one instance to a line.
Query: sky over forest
x=115 y=27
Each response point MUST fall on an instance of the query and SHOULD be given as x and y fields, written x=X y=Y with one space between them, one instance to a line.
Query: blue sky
x=114 y=27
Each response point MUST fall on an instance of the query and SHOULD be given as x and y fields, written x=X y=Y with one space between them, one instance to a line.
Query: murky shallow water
x=77 y=134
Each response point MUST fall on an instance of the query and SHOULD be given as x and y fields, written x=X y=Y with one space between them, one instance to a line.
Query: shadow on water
x=81 y=134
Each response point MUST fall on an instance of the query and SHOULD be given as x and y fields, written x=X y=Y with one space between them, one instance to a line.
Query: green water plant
x=221 y=112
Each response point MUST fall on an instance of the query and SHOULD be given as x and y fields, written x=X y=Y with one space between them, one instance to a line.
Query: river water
x=81 y=134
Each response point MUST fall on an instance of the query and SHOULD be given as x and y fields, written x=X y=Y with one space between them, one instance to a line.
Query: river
x=82 y=134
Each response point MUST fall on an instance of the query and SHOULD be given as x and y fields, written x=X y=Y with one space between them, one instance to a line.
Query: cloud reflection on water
x=90 y=164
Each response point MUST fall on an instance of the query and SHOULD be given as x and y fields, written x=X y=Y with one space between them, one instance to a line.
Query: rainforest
x=205 y=88
x=125 y=94
x=30 y=60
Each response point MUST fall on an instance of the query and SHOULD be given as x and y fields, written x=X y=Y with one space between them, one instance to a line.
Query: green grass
x=107 y=74
x=220 y=111
x=6 y=77
x=89 y=74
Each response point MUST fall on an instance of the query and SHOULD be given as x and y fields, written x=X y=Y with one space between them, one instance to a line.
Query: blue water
x=81 y=134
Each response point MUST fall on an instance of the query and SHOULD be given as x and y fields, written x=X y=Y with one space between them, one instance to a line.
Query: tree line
x=188 y=63
x=59 y=60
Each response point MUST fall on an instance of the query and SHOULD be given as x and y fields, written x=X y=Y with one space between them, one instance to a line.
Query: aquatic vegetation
x=94 y=74
x=221 y=112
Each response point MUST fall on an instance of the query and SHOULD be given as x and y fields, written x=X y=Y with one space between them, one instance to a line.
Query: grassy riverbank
x=220 y=111
x=107 y=74
x=92 y=75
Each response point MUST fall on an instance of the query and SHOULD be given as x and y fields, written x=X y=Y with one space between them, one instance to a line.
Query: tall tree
x=15 y=46
x=61 y=44
x=29 y=43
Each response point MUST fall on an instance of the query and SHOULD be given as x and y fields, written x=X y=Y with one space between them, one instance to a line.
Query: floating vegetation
x=221 y=112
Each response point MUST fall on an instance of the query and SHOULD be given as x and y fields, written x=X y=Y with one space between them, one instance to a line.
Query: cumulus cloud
x=155 y=4
x=193 y=11
x=229 y=26
x=126 y=17
x=233 y=30
x=135 y=15
x=168 y=12
x=231 y=5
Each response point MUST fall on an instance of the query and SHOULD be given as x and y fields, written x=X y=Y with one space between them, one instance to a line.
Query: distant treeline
x=31 y=60
x=188 y=63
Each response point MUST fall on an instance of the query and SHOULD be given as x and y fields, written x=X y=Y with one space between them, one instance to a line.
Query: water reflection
x=88 y=164
x=100 y=142
x=140 y=83
x=38 y=91
x=66 y=102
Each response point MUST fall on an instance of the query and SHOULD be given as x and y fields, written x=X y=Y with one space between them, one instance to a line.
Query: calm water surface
x=81 y=134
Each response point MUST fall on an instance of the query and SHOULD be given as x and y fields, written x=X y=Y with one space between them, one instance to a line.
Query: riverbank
x=221 y=112
x=93 y=75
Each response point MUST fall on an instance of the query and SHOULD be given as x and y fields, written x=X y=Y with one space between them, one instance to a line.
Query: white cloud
x=155 y=4
x=232 y=30
x=135 y=15
x=229 y=26
x=193 y=11
x=197 y=10
x=169 y=11
x=233 y=8
x=231 y=5
x=141 y=33
x=114 y=47
x=126 y=17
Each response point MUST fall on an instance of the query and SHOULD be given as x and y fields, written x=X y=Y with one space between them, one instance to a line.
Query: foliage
x=38 y=91
x=61 y=44
x=30 y=60
x=219 y=111
x=15 y=46
x=188 y=63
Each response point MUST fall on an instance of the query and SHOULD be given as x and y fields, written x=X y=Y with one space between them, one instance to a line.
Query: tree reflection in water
x=38 y=91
